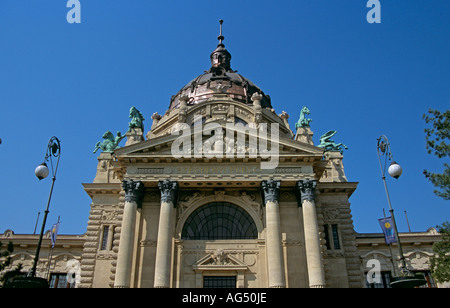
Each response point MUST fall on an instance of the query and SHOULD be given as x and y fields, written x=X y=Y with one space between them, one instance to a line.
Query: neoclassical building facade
x=220 y=191
x=215 y=213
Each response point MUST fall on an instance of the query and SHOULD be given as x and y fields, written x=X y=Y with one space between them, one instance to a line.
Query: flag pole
x=407 y=221
x=37 y=220
x=50 y=256
x=49 y=262
x=390 y=250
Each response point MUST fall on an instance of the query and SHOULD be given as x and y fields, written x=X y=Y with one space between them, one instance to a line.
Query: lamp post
x=42 y=171
x=406 y=278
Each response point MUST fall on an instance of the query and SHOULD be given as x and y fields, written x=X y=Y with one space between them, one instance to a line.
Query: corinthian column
x=312 y=239
x=134 y=192
x=274 y=249
x=169 y=190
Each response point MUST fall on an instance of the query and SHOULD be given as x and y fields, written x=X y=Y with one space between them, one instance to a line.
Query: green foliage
x=5 y=255
x=440 y=262
x=437 y=138
x=5 y=261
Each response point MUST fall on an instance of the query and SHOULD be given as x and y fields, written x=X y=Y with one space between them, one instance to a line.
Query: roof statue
x=137 y=119
x=329 y=145
x=303 y=121
x=110 y=143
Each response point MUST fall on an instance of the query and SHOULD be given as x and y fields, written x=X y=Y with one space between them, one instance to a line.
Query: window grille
x=219 y=282
x=219 y=221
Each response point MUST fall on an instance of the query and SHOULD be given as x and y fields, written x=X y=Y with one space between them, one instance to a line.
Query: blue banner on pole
x=54 y=233
x=387 y=225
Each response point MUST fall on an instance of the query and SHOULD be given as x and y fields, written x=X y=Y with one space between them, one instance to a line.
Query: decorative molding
x=219 y=195
x=169 y=191
x=305 y=190
x=134 y=191
x=219 y=260
x=270 y=190
x=148 y=243
x=109 y=216
x=331 y=215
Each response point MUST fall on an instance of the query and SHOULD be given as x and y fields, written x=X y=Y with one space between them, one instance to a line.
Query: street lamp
x=42 y=171
x=406 y=278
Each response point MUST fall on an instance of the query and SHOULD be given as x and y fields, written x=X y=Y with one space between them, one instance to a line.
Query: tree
x=6 y=261
x=440 y=262
x=6 y=254
x=437 y=138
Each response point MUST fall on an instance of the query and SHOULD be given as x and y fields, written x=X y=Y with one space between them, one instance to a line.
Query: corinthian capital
x=270 y=190
x=305 y=188
x=134 y=191
x=169 y=190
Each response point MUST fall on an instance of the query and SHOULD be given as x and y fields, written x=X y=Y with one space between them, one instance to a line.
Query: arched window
x=219 y=221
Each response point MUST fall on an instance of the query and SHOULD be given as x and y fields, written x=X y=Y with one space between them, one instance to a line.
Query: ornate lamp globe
x=395 y=170
x=41 y=171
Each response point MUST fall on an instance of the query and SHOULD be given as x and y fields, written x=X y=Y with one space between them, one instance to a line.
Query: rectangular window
x=384 y=283
x=113 y=231
x=59 y=280
x=327 y=238
x=105 y=232
x=219 y=282
x=334 y=230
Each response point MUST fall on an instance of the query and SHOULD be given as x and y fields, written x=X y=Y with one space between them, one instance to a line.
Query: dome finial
x=220 y=57
x=220 y=37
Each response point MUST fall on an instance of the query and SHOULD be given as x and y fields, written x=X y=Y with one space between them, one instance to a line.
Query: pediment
x=162 y=146
x=220 y=260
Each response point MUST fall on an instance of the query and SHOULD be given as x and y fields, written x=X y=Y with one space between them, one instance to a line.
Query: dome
x=220 y=78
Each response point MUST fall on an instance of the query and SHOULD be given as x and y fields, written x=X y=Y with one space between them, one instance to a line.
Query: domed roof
x=220 y=78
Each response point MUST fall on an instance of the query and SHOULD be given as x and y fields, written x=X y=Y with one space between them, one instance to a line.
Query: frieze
x=109 y=215
x=212 y=169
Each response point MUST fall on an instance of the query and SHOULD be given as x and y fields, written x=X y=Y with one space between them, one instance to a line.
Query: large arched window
x=219 y=221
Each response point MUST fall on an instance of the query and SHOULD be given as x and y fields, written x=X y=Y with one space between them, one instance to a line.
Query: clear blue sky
x=76 y=81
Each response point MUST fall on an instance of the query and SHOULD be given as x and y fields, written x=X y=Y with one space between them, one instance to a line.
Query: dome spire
x=220 y=37
x=220 y=58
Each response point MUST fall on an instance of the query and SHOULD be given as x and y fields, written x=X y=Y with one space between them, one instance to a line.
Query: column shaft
x=312 y=245
x=164 y=246
x=134 y=192
x=125 y=254
x=314 y=261
x=169 y=190
x=274 y=246
x=274 y=249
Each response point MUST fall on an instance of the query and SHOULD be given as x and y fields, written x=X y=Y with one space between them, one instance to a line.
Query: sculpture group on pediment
x=109 y=143
x=303 y=120
x=329 y=145
x=137 y=119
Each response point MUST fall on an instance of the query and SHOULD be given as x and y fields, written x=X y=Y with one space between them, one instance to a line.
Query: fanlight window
x=219 y=221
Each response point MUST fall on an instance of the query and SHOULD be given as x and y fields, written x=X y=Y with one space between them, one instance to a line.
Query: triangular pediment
x=162 y=146
x=220 y=260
